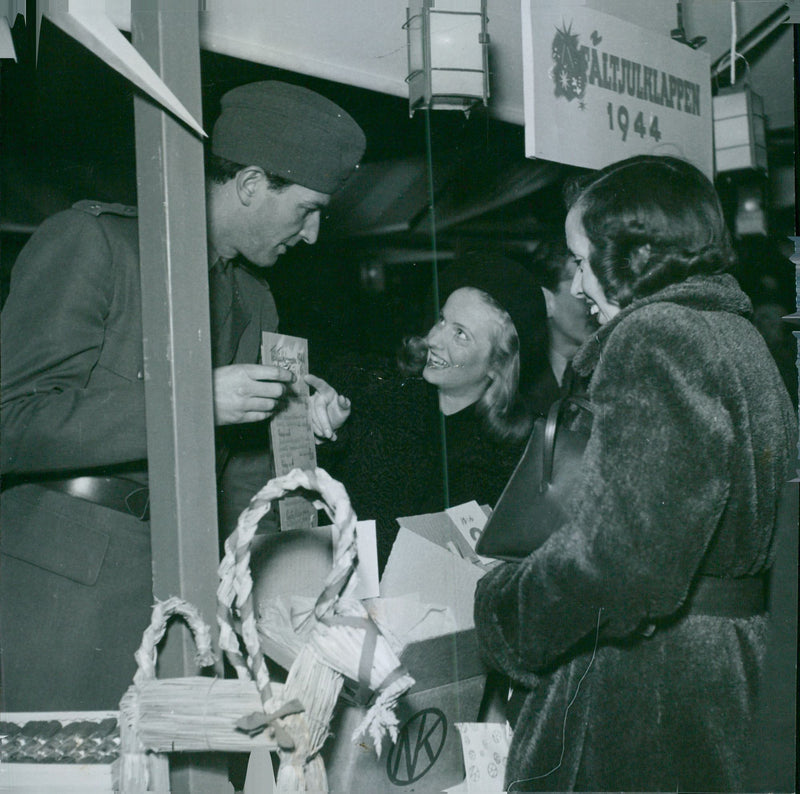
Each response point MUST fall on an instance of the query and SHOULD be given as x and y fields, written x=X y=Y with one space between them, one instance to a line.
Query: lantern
x=447 y=54
x=739 y=131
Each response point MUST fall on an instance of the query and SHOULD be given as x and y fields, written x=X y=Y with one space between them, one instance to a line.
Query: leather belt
x=745 y=597
x=116 y=493
x=712 y=595
x=729 y=598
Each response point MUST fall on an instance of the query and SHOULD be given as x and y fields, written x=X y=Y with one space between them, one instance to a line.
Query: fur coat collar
x=720 y=293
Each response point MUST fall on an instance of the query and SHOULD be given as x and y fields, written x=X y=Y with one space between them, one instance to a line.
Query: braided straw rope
x=235 y=591
x=162 y=611
x=79 y=741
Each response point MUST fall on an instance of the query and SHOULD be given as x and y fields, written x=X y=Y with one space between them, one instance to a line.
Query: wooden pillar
x=175 y=316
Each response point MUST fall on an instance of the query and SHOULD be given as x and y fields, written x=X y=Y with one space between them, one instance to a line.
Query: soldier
x=76 y=583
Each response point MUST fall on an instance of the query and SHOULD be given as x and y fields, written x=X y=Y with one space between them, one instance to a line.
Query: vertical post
x=435 y=265
x=175 y=318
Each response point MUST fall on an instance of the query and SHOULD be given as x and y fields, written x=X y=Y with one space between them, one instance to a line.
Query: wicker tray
x=59 y=751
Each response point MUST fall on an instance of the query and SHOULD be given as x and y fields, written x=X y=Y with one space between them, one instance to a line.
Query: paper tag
x=485 y=747
x=290 y=430
x=470 y=520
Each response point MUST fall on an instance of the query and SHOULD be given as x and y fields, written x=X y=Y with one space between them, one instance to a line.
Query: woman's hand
x=327 y=408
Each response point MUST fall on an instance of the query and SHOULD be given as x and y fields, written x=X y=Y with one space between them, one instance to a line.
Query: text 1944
x=621 y=120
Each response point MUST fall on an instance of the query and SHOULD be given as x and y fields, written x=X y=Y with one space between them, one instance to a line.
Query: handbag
x=532 y=505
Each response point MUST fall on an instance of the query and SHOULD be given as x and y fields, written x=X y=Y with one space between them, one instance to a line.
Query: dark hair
x=550 y=260
x=500 y=406
x=220 y=170
x=651 y=221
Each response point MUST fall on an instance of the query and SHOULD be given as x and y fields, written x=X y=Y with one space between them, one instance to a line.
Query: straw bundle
x=197 y=714
x=138 y=769
x=350 y=643
x=318 y=686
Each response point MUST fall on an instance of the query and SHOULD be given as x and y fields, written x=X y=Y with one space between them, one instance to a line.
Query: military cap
x=289 y=131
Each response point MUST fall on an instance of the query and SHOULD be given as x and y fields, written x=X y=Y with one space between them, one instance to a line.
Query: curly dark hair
x=550 y=261
x=651 y=221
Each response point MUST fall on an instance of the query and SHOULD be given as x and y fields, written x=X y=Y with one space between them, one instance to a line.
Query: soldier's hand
x=248 y=392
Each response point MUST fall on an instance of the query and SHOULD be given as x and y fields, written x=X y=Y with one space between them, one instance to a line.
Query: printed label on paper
x=290 y=430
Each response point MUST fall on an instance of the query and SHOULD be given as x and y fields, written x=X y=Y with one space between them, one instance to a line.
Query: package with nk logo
x=427 y=595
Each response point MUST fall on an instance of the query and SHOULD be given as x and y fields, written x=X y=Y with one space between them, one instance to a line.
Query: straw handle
x=235 y=592
x=162 y=611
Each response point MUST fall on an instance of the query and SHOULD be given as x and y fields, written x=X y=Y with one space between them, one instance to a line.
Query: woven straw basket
x=201 y=713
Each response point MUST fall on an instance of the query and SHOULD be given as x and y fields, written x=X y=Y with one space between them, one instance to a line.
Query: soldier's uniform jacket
x=73 y=404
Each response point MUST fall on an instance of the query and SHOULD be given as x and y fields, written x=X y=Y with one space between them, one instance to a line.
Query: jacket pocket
x=37 y=529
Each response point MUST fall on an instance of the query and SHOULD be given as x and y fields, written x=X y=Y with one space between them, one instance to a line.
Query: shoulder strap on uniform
x=97 y=208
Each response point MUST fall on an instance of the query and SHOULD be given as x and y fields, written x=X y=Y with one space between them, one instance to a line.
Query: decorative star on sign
x=566 y=43
x=570 y=64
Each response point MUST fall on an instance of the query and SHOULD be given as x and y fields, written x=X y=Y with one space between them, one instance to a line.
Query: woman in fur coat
x=634 y=636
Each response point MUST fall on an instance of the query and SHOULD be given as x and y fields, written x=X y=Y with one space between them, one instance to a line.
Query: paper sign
x=438 y=528
x=485 y=747
x=417 y=566
x=470 y=520
x=598 y=89
x=290 y=430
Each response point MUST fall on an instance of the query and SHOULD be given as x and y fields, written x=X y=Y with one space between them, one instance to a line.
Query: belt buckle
x=647 y=630
x=137 y=503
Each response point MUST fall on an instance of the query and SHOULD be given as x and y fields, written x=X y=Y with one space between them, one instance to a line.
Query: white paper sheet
x=438 y=577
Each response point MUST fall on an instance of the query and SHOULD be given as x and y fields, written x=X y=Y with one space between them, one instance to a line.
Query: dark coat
x=76 y=581
x=693 y=436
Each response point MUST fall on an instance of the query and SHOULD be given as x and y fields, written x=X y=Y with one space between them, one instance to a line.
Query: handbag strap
x=550 y=429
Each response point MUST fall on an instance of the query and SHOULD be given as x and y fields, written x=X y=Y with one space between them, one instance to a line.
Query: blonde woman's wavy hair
x=501 y=405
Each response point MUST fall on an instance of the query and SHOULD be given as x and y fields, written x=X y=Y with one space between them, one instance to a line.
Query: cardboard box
x=450 y=680
x=427 y=756
x=426 y=602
